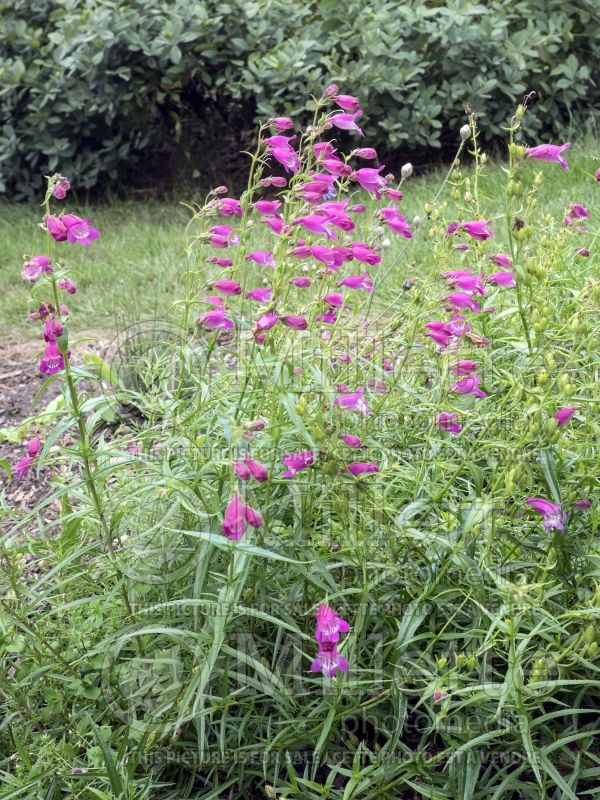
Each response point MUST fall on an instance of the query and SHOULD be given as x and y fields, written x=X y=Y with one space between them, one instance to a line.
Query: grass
x=134 y=271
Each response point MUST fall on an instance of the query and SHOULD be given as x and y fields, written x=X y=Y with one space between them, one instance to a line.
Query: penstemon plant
x=353 y=553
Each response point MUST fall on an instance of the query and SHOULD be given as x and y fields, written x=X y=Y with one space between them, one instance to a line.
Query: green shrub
x=98 y=85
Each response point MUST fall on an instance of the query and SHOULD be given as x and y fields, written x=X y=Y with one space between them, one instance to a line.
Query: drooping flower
x=362 y=281
x=328 y=317
x=263 y=257
x=229 y=207
x=353 y=401
x=447 y=421
x=346 y=122
x=79 y=230
x=276 y=223
x=549 y=152
x=563 y=415
x=351 y=441
x=295 y=322
x=216 y=319
x=552 y=515
x=468 y=385
x=249 y=468
x=316 y=223
x=228 y=287
x=347 y=102
x=52 y=360
x=238 y=516
x=35 y=268
x=370 y=180
x=295 y=462
x=56 y=228
x=286 y=156
x=502 y=279
x=357 y=468
x=262 y=294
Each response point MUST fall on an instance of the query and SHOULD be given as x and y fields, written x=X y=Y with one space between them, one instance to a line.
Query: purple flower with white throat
x=35 y=268
x=79 y=230
x=353 y=401
x=552 y=515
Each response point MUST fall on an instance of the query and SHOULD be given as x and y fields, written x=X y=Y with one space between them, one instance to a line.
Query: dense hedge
x=92 y=86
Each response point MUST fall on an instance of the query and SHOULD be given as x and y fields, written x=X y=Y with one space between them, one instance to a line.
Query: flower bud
x=407 y=170
x=465 y=132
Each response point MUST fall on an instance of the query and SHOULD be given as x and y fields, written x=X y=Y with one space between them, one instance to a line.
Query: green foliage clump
x=98 y=85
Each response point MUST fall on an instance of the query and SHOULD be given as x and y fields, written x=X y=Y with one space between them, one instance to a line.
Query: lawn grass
x=133 y=271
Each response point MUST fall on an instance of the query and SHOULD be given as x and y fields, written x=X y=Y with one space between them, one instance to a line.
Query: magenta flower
x=328 y=317
x=583 y=251
x=229 y=206
x=281 y=124
x=295 y=462
x=56 y=228
x=249 y=468
x=286 y=156
x=368 y=153
x=502 y=260
x=353 y=401
x=329 y=661
x=363 y=253
x=597 y=175
x=267 y=321
x=468 y=283
x=276 y=223
x=583 y=504
x=316 y=223
x=228 y=287
x=336 y=166
x=238 y=516
x=357 y=468
x=330 y=90
x=53 y=328
x=220 y=262
x=263 y=257
x=66 y=284
x=563 y=415
x=578 y=211
x=216 y=319
x=334 y=299
x=394 y=194
x=502 y=279
x=397 y=222
x=275 y=181
x=461 y=300
x=346 y=122
x=464 y=367
x=262 y=295
x=35 y=268
x=549 y=152
x=52 y=360
x=552 y=514
x=346 y=102
x=294 y=322
x=370 y=180
x=447 y=421
x=300 y=282
x=351 y=441
x=79 y=230
x=24 y=465
x=329 y=625
x=468 y=385
x=60 y=189
x=266 y=206
x=362 y=281
x=478 y=229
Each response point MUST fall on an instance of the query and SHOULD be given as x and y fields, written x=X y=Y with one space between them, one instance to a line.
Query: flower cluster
x=327 y=635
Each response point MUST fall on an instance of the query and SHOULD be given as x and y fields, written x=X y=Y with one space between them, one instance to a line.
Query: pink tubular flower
x=578 y=211
x=468 y=385
x=294 y=322
x=52 y=360
x=368 y=153
x=66 y=284
x=468 y=283
x=370 y=180
x=249 y=468
x=281 y=124
x=276 y=223
x=334 y=299
x=79 y=230
x=274 y=181
x=478 y=229
x=502 y=279
x=358 y=208
x=597 y=175
x=549 y=152
x=397 y=222
x=329 y=317
x=262 y=295
x=228 y=287
x=35 y=268
x=552 y=514
x=447 y=421
x=563 y=415
x=346 y=122
x=346 y=102
x=266 y=206
x=464 y=367
x=502 y=260
x=56 y=228
x=351 y=441
x=461 y=300
x=329 y=625
x=394 y=194
x=583 y=504
x=300 y=282
x=238 y=516
x=363 y=253
x=583 y=251
x=316 y=223
x=353 y=401
x=60 y=189
x=329 y=661
x=24 y=465
x=53 y=328
x=335 y=166
x=216 y=319
x=358 y=282
x=286 y=156
x=263 y=257
x=229 y=207
x=267 y=321
x=295 y=462
x=357 y=468
x=330 y=90
x=220 y=262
